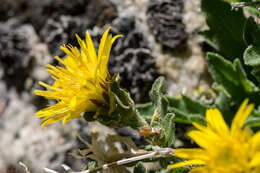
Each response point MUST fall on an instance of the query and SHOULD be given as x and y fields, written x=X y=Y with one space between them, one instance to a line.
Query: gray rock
x=165 y=20
x=61 y=30
x=23 y=140
x=133 y=59
x=15 y=58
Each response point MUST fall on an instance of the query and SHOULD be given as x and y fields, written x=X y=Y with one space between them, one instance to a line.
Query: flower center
x=231 y=159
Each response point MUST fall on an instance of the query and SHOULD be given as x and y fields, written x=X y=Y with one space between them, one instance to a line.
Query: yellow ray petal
x=243 y=112
x=66 y=50
x=59 y=59
x=216 y=122
x=91 y=49
x=115 y=38
x=70 y=117
x=255 y=160
x=199 y=126
x=194 y=154
x=102 y=43
x=186 y=163
x=52 y=120
x=255 y=142
x=204 y=140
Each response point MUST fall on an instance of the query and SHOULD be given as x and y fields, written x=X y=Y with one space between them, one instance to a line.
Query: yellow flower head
x=82 y=84
x=223 y=149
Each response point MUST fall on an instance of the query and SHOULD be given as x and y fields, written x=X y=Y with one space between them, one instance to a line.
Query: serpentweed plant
x=226 y=128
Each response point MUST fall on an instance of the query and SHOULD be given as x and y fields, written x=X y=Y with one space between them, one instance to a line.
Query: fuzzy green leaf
x=139 y=168
x=180 y=170
x=187 y=110
x=220 y=89
x=254 y=119
x=251 y=32
x=256 y=73
x=253 y=10
x=122 y=95
x=157 y=96
x=225 y=105
x=226 y=28
x=91 y=165
x=169 y=129
x=231 y=76
x=121 y=111
x=146 y=110
x=241 y=0
x=158 y=110
x=252 y=56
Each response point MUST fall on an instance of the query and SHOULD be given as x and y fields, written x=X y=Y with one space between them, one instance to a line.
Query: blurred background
x=160 y=39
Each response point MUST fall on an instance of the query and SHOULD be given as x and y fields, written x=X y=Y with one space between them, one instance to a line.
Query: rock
x=124 y=25
x=23 y=140
x=61 y=30
x=133 y=59
x=132 y=38
x=37 y=12
x=7 y=9
x=165 y=20
x=67 y=7
x=23 y=57
x=42 y=57
x=15 y=58
x=100 y=12
x=137 y=71
x=94 y=12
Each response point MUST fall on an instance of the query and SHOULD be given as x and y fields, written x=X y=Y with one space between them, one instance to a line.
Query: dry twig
x=24 y=167
x=156 y=153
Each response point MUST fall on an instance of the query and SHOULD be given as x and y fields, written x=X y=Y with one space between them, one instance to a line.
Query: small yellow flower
x=82 y=84
x=223 y=149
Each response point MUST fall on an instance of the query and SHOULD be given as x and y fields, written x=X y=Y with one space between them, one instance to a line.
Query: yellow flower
x=82 y=84
x=223 y=149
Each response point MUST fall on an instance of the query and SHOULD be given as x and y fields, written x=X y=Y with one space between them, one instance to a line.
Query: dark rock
x=61 y=30
x=132 y=59
x=49 y=9
x=124 y=25
x=68 y=7
x=133 y=38
x=15 y=58
x=92 y=12
x=100 y=12
x=37 y=12
x=137 y=70
x=165 y=21
x=4 y=100
x=4 y=13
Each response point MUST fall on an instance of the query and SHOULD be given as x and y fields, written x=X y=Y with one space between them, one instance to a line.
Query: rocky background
x=160 y=38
